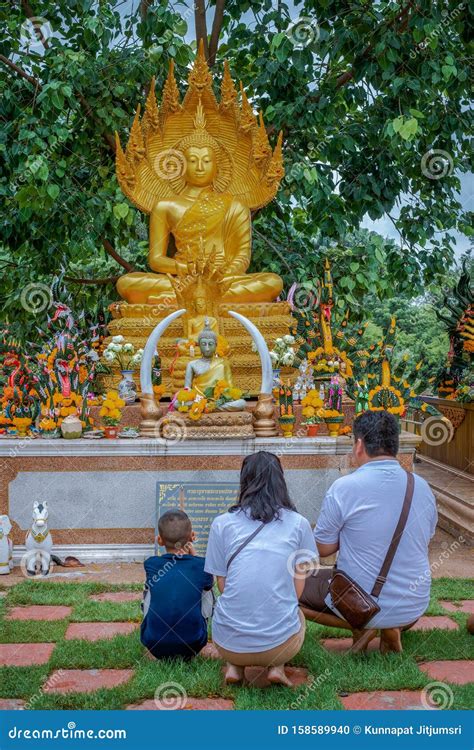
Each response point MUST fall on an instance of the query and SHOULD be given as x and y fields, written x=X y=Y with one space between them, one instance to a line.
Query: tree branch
x=22 y=73
x=401 y=17
x=108 y=137
x=144 y=5
x=216 y=30
x=28 y=11
x=108 y=247
x=201 y=25
x=96 y=282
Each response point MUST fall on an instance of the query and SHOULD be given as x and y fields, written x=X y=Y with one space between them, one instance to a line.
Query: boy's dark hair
x=378 y=431
x=175 y=528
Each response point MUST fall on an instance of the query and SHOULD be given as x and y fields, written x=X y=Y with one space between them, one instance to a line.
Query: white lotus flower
x=287 y=358
x=118 y=339
x=109 y=356
x=288 y=339
x=128 y=348
x=274 y=357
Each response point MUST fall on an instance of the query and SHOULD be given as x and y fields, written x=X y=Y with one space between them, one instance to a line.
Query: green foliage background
x=362 y=92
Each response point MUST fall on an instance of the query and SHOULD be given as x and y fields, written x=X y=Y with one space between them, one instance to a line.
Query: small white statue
x=304 y=381
x=6 y=546
x=38 y=541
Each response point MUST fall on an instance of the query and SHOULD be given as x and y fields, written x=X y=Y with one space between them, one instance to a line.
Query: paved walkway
x=61 y=681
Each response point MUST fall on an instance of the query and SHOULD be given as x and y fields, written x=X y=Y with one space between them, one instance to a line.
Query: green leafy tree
x=366 y=94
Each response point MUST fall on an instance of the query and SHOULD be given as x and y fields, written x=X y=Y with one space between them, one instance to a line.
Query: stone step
x=454 y=492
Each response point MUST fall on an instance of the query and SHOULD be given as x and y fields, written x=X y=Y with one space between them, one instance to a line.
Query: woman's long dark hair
x=263 y=490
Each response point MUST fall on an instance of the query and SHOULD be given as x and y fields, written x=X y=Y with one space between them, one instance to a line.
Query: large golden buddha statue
x=198 y=168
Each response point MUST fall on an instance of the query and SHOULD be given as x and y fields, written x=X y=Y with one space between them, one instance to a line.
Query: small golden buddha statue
x=209 y=369
x=198 y=168
x=199 y=291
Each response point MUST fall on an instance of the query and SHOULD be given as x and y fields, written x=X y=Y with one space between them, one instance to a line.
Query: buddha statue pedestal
x=218 y=425
x=136 y=322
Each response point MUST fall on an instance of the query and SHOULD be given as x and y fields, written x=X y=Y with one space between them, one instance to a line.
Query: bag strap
x=397 y=535
x=244 y=544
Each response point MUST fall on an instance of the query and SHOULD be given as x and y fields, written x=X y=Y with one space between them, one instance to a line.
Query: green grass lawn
x=332 y=673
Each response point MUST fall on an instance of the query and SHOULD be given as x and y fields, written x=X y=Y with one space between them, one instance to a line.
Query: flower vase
x=276 y=377
x=111 y=431
x=312 y=430
x=127 y=389
x=334 y=424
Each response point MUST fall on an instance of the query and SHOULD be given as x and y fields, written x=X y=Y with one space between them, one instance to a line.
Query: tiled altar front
x=102 y=493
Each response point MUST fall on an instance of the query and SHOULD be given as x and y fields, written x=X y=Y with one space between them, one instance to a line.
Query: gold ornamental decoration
x=199 y=167
x=151 y=168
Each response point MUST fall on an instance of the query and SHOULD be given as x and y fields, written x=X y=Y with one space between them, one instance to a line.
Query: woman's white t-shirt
x=259 y=607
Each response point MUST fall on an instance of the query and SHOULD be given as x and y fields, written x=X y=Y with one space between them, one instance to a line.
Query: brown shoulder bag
x=355 y=604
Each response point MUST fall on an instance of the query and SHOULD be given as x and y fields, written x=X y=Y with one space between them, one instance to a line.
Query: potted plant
x=111 y=413
x=123 y=352
x=312 y=406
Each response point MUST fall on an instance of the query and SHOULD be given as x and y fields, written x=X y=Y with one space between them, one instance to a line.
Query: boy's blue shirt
x=176 y=583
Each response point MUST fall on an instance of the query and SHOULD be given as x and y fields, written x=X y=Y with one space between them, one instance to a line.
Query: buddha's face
x=201 y=166
x=207 y=346
x=200 y=305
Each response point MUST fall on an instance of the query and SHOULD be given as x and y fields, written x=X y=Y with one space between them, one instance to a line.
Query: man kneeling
x=173 y=624
x=358 y=518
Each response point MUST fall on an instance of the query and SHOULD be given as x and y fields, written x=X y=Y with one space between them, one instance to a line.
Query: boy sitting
x=173 y=624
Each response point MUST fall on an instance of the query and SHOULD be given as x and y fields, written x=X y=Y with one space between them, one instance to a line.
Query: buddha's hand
x=215 y=270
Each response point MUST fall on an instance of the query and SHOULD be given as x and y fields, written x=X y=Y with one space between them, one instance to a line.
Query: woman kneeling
x=259 y=551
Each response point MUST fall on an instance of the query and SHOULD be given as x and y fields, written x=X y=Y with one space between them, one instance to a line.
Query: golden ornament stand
x=177 y=427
